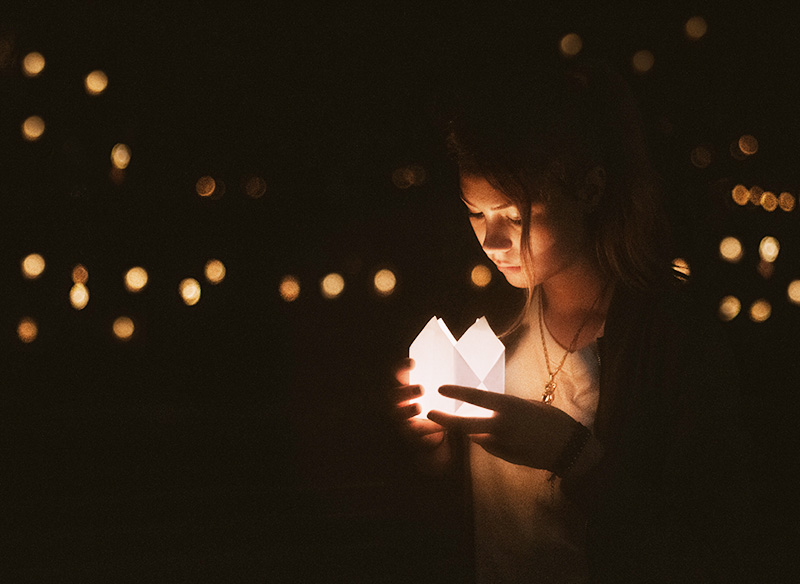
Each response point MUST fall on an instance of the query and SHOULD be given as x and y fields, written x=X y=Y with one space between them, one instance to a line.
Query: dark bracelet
x=575 y=445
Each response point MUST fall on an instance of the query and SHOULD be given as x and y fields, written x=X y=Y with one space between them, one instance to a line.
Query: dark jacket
x=669 y=501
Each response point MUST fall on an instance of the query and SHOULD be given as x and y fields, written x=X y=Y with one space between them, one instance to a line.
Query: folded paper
x=477 y=359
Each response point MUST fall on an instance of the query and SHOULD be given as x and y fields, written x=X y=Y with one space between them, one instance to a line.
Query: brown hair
x=531 y=132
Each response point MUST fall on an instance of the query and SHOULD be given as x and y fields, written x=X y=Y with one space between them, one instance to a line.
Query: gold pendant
x=549 y=389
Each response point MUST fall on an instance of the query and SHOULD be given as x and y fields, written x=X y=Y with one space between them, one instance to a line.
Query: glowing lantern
x=123 y=328
x=32 y=64
x=136 y=279
x=480 y=276
x=477 y=359
x=760 y=310
x=729 y=308
x=215 y=271
x=730 y=249
x=120 y=156
x=769 y=249
x=32 y=128
x=332 y=285
x=793 y=292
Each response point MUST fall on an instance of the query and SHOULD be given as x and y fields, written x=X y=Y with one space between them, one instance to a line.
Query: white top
x=525 y=530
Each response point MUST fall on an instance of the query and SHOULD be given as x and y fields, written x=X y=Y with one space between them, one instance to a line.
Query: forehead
x=477 y=192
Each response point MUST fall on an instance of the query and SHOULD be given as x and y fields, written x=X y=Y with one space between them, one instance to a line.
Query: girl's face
x=557 y=232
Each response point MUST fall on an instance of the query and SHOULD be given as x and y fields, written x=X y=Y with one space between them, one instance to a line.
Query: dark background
x=247 y=438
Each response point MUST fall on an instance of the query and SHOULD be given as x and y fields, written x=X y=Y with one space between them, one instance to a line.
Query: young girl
x=615 y=453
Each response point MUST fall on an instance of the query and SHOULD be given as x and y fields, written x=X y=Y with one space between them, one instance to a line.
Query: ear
x=593 y=187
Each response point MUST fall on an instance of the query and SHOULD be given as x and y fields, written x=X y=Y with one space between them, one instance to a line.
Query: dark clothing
x=669 y=501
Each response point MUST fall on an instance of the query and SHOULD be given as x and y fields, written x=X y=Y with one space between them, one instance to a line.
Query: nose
x=497 y=237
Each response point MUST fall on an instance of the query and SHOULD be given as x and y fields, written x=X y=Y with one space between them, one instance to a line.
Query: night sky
x=247 y=438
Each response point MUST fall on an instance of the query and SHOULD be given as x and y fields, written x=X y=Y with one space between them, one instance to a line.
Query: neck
x=572 y=297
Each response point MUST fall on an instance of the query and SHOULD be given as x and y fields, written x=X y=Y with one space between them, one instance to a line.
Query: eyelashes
x=511 y=220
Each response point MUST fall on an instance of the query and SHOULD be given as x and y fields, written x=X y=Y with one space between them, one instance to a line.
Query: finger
x=480 y=397
x=405 y=393
x=466 y=425
x=401 y=374
x=407 y=412
x=424 y=427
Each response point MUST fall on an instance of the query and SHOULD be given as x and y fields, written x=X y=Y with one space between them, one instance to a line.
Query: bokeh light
x=136 y=279
x=33 y=64
x=760 y=310
x=205 y=186
x=787 y=201
x=748 y=144
x=769 y=201
x=32 y=266
x=215 y=271
x=730 y=249
x=755 y=194
x=729 y=308
x=682 y=266
x=255 y=187
x=701 y=157
x=696 y=28
x=32 y=128
x=80 y=275
x=289 y=288
x=570 y=44
x=95 y=82
x=765 y=269
x=332 y=285
x=740 y=195
x=120 y=156
x=79 y=296
x=123 y=328
x=643 y=61
x=793 y=292
x=189 y=289
x=480 y=276
x=408 y=176
x=384 y=282
x=27 y=330
x=769 y=248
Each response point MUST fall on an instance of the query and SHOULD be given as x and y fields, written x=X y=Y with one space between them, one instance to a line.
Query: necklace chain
x=550 y=386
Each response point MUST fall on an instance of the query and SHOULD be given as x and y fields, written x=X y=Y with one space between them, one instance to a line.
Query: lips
x=507 y=267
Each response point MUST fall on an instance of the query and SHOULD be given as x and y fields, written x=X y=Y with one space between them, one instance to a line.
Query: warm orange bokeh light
x=643 y=61
x=205 y=186
x=95 y=82
x=480 y=276
x=32 y=266
x=123 y=328
x=729 y=308
x=740 y=194
x=27 y=330
x=787 y=202
x=120 y=156
x=80 y=275
x=769 y=248
x=332 y=285
x=189 y=289
x=32 y=128
x=755 y=194
x=748 y=144
x=79 y=296
x=215 y=271
x=255 y=187
x=136 y=279
x=730 y=249
x=289 y=288
x=760 y=310
x=696 y=27
x=793 y=292
x=570 y=44
x=701 y=157
x=682 y=266
x=33 y=64
x=384 y=282
x=769 y=201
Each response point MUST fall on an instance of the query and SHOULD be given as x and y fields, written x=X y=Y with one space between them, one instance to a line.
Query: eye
x=472 y=215
x=515 y=221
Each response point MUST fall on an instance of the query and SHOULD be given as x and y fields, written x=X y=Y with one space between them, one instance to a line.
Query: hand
x=421 y=432
x=521 y=431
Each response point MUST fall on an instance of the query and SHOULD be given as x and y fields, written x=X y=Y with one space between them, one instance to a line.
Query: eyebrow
x=495 y=208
